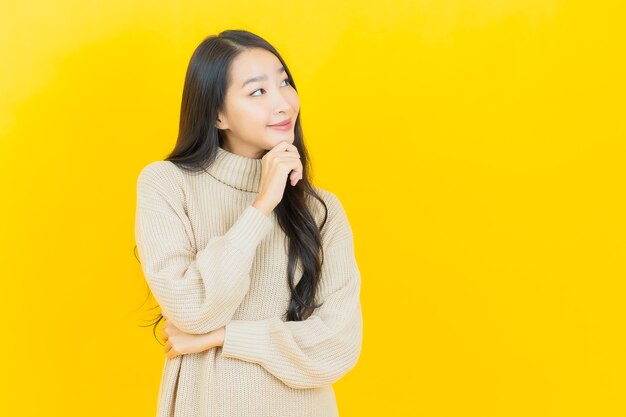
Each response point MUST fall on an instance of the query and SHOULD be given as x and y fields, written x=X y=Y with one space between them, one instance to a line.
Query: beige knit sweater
x=212 y=259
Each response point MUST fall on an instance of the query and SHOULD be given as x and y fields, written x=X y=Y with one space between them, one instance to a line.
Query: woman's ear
x=220 y=124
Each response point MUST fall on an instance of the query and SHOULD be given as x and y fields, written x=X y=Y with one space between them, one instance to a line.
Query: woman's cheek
x=295 y=101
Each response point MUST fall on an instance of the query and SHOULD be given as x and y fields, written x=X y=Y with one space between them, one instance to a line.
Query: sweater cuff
x=250 y=228
x=247 y=340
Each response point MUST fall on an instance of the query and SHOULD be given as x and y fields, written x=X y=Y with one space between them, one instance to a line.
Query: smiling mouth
x=283 y=123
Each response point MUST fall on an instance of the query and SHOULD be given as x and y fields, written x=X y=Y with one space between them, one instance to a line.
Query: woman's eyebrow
x=261 y=77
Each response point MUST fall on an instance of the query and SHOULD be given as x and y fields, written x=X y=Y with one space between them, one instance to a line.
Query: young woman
x=252 y=265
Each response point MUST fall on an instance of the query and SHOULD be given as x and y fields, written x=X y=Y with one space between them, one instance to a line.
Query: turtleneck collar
x=236 y=171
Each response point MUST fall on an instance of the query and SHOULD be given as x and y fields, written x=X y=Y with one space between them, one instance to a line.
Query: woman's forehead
x=255 y=65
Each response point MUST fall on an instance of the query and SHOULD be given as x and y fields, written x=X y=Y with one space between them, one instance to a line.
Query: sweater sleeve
x=198 y=290
x=317 y=351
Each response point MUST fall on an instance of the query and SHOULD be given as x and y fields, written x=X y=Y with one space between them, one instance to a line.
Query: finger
x=167 y=347
x=164 y=336
x=284 y=146
x=295 y=175
x=295 y=171
x=286 y=156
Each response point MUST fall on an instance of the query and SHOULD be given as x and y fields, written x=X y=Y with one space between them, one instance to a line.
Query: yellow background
x=477 y=146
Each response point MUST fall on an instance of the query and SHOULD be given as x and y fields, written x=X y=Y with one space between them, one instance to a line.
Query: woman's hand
x=279 y=164
x=178 y=342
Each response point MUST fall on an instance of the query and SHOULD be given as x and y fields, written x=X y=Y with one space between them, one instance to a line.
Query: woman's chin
x=289 y=138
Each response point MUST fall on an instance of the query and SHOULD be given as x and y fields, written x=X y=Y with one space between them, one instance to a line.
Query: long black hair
x=204 y=93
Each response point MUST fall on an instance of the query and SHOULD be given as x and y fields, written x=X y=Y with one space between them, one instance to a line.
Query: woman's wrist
x=214 y=338
x=260 y=205
x=220 y=335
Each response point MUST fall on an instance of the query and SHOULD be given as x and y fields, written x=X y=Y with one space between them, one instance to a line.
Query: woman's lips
x=285 y=126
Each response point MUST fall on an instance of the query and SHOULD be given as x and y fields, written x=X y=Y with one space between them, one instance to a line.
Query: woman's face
x=252 y=105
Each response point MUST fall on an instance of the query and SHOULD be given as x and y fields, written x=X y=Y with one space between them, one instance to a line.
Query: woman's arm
x=178 y=342
x=304 y=354
x=198 y=291
x=321 y=349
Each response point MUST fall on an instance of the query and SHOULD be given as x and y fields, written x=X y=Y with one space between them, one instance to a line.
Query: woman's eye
x=286 y=79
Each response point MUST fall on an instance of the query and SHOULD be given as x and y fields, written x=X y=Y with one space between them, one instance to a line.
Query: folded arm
x=198 y=291
x=321 y=349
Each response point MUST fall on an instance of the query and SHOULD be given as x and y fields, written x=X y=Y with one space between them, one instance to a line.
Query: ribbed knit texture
x=212 y=259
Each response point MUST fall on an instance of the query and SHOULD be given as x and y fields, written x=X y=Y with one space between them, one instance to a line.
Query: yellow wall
x=478 y=147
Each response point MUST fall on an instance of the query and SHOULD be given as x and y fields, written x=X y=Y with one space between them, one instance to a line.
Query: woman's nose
x=281 y=103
